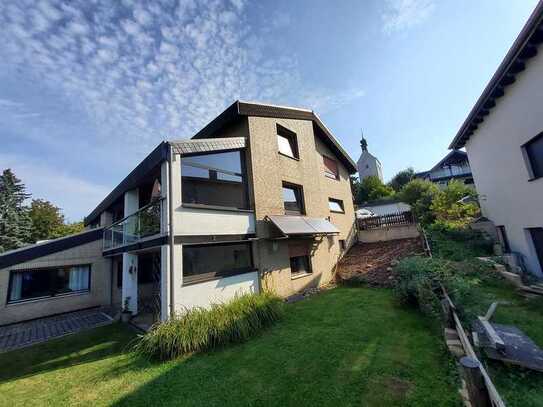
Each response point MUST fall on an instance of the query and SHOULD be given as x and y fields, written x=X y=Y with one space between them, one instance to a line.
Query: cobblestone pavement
x=40 y=330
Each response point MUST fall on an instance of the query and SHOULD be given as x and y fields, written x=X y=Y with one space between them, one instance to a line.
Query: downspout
x=171 y=237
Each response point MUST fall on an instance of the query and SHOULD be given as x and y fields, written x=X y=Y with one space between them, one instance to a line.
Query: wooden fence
x=383 y=221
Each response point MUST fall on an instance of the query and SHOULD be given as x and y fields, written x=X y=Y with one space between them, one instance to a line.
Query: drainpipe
x=171 y=237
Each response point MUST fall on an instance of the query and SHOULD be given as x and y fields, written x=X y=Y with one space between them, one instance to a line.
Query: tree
x=419 y=194
x=71 y=228
x=401 y=178
x=15 y=223
x=47 y=220
x=371 y=188
x=449 y=210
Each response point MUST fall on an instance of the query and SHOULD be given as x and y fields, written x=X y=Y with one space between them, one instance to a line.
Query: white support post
x=165 y=298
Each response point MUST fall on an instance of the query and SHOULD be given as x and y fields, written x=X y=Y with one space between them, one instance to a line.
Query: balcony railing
x=143 y=223
x=451 y=171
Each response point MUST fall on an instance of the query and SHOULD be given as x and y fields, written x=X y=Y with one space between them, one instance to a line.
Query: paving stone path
x=40 y=330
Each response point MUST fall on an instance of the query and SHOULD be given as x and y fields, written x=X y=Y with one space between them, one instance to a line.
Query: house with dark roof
x=454 y=166
x=259 y=198
x=503 y=137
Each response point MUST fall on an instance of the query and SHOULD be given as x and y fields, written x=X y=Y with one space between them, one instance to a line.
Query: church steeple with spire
x=368 y=164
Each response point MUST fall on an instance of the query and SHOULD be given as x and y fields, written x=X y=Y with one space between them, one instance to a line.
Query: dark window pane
x=537 y=237
x=534 y=150
x=214 y=179
x=208 y=261
x=292 y=198
x=72 y=279
x=299 y=265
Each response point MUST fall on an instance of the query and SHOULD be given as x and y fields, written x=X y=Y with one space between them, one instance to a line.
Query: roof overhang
x=300 y=226
x=524 y=48
x=241 y=109
x=198 y=146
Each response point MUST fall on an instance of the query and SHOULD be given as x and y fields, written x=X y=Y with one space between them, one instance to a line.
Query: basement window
x=300 y=261
x=533 y=156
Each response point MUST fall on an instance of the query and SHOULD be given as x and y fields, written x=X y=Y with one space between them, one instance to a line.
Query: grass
x=344 y=347
x=519 y=387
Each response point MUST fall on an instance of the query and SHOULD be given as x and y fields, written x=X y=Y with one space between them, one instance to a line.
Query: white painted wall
x=498 y=167
x=369 y=165
x=130 y=282
x=216 y=291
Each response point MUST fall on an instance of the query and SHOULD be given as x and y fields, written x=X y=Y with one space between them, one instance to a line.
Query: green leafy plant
x=371 y=188
x=419 y=194
x=449 y=210
x=200 y=329
x=457 y=244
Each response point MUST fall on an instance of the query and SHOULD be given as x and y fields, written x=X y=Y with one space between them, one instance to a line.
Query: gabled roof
x=241 y=109
x=524 y=48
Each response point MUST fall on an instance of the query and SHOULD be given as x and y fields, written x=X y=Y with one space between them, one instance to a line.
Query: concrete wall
x=99 y=294
x=269 y=170
x=216 y=291
x=500 y=173
x=368 y=165
x=389 y=233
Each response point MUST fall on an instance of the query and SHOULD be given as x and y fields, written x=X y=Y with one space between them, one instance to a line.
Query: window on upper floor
x=287 y=142
x=293 y=199
x=217 y=179
x=336 y=205
x=533 y=156
x=330 y=168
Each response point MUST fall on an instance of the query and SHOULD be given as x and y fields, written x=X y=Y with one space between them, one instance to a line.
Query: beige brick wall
x=100 y=292
x=269 y=170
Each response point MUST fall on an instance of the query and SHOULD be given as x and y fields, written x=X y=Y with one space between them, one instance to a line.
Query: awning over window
x=302 y=225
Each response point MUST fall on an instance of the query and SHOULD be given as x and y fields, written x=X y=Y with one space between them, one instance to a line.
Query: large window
x=330 y=168
x=537 y=238
x=203 y=262
x=31 y=284
x=217 y=179
x=533 y=154
x=293 y=199
x=287 y=143
x=300 y=261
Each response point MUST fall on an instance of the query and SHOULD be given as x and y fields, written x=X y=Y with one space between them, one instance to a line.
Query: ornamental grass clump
x=200 y=329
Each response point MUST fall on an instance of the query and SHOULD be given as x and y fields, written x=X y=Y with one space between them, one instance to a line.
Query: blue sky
x=89 y=87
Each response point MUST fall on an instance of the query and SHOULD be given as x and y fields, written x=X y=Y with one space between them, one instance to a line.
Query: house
x=260 y=198
x=382 y=207
x=503 y=137
x=367 y=164
x=454 y=166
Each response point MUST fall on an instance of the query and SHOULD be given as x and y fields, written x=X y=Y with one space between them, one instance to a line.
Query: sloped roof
x=524 y=48
x=241 y=109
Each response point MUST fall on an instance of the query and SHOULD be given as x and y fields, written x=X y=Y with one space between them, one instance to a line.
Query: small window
x=293 y=199
x=336 y=205
x=330 y=168
x=342 y=244
x=40 y=283
x=204 y=262
x=286 y=142
x=300 y=261
x=502 y=237
x=533 y=155
x=120 y=272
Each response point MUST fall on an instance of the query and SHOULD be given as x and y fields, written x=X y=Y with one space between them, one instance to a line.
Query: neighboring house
x=368 y=165
x=260 y=198
x=381 y=207
x=503 y=136
x=454 y=166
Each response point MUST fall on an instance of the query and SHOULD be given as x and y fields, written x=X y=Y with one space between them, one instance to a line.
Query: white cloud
x=403 y=14
x=75 y=195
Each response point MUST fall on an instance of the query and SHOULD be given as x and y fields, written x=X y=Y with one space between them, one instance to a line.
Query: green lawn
x=517 y=386
x=347 y=346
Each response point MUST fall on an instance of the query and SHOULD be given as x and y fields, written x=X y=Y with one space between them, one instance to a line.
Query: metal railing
x=143 y=223
x=382 y=221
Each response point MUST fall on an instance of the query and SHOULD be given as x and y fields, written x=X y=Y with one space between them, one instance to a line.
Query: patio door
x=149 y=284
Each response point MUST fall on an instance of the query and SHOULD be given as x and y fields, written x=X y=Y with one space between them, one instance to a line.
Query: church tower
x=368 y=164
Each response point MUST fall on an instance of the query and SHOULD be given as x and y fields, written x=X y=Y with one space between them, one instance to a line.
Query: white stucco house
x=368 y=165
x=503 y=137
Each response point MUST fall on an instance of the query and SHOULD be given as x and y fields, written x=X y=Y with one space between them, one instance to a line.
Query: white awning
x=301 y=225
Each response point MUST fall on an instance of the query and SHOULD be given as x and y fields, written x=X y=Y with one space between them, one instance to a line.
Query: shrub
x=447 y=208
x=419 y=194
x=200 y=329
x=457 y=243
x=419 y=278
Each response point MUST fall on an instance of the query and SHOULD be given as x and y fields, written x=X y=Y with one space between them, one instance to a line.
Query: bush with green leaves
x=449 y=210
x=420 y=194
x=200 y=329
x=419 y=281
x=453 y=243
